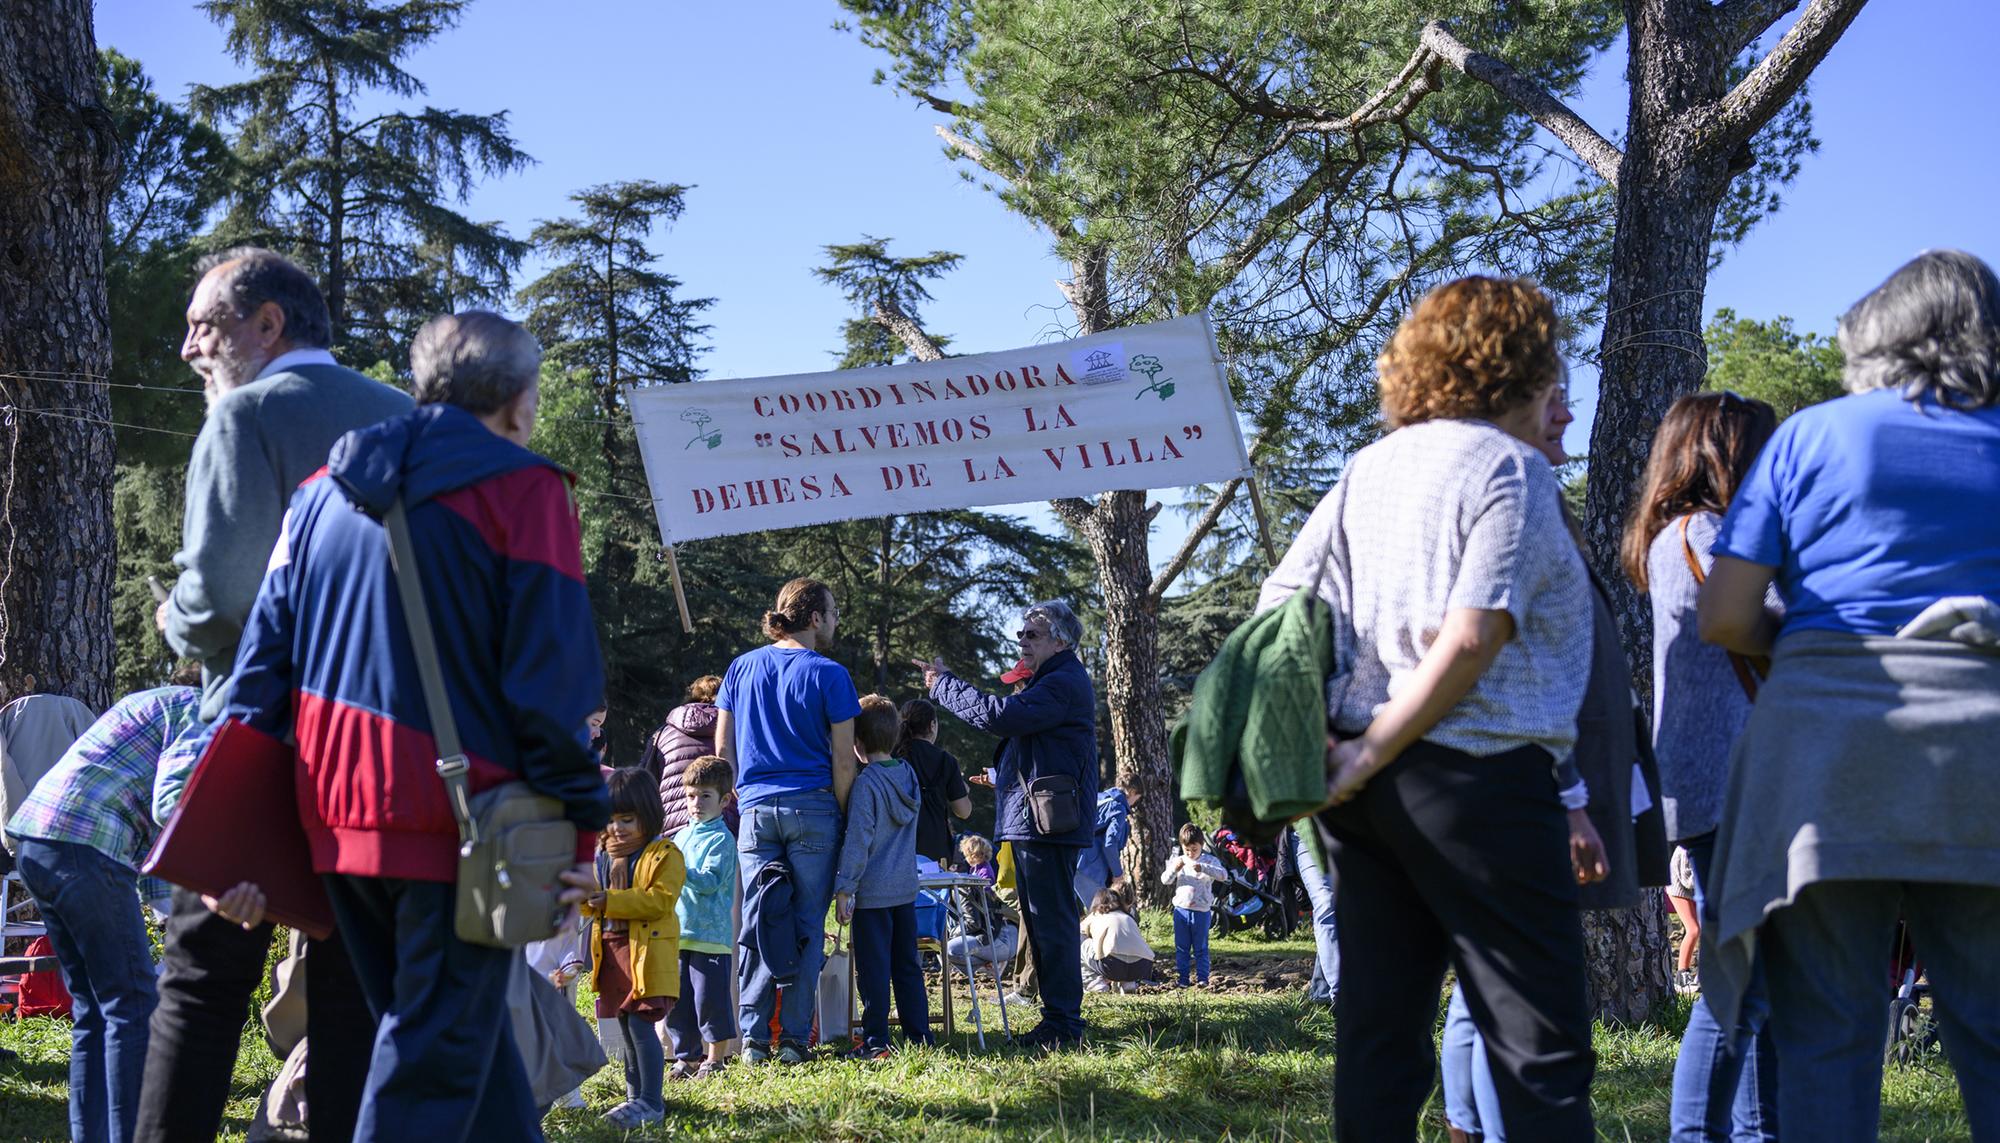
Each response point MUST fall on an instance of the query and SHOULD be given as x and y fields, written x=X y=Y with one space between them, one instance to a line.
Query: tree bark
x=58 y=160
x=1626 y=958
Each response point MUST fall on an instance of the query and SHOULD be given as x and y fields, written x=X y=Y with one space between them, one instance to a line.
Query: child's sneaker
x=632 y=1114
x=755 y=1053
x=864 y=1052
x=791 y=1053
x=682 y=1069
x=572 y=1099
x=710 y=1069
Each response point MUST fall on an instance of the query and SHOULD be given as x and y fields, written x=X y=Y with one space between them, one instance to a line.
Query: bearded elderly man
x=1049 y=733
x=258 y=332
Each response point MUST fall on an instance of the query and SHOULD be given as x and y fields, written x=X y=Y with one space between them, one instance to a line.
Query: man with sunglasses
x=1049 y=733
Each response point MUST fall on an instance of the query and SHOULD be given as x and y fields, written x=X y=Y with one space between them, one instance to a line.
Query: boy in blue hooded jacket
x=875 y=885
x=704 y=1021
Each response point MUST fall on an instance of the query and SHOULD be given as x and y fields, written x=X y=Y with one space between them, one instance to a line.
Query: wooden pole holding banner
x=1263 y=525
x=680 y=593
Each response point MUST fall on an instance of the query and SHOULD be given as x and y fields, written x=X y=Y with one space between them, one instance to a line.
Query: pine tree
x=1767 y=360
x=363 y=199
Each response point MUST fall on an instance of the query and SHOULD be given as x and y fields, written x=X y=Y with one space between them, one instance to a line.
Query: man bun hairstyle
x=919 y=719
x=634 y=791
x=704 y=689
x=878 y=725
x=709 y=772
x=256 y=275
x=797 y=601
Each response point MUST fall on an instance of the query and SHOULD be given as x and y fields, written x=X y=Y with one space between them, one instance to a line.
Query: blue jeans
x=1191 y=943
x=1471 y=1102
x=1726 y=1083
x=802 y=830
x=885 y=956
x=1046 y=876
x=1828 y=951
x=1326 y=931
x=90 y=903
x=445 y=1066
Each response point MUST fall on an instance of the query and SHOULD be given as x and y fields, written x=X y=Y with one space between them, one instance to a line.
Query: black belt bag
x=1055 y=804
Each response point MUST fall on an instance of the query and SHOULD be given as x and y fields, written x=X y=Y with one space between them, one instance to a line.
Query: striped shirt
x=100 y=793
x=1435 y=517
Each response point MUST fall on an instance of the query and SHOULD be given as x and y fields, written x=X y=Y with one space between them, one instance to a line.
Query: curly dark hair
x=1473 y=348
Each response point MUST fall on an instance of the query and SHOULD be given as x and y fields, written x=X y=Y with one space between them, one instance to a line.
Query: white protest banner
x=1141 y=407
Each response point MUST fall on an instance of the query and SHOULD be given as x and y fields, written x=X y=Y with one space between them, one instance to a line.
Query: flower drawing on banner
x=700 y=419
x=1149 y=365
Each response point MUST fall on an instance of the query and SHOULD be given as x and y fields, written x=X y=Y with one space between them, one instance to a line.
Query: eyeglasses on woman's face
x=1030 y=635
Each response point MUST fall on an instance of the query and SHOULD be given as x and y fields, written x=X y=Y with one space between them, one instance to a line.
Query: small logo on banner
x=1099 y=366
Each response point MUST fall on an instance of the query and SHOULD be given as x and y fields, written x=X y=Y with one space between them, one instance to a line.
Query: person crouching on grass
x=635 y=942
x=703 y=1026
x=876 y=883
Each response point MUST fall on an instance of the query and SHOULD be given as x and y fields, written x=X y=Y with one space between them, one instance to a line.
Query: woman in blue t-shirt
x=1863 y=787
x=785 y=719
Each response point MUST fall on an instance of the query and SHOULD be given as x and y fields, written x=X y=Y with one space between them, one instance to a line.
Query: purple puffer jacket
x=687 y=734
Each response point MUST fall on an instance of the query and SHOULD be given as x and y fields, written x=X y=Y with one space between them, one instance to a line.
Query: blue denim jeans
x=90 y=903
x=1471 y=1102
x=1726 y=1083
x=1326 y=931
x=802 y=830
x=1191 y=943
x=1828 y=953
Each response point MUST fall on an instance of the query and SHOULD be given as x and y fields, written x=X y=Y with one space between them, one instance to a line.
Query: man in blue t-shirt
x=785 y=719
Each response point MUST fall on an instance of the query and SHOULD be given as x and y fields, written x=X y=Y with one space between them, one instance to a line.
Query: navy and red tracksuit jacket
x=326 y=655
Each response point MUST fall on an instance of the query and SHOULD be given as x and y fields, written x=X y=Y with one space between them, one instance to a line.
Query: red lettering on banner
x=1031 y=377
x=915 y=475
x=761 y=406
x=1003 y=381
x=1061 y=420
x=1001 y=470
x=704 y=501
x=980 y=429
x=789 y=443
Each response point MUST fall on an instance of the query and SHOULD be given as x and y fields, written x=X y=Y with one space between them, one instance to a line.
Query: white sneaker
x=573 y=1099
x=1017 y=1000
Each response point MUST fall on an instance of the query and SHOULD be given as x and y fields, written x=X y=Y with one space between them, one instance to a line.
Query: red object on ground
x=42 y=993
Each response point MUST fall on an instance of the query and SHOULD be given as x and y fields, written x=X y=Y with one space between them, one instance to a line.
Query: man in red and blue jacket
x=326 y=657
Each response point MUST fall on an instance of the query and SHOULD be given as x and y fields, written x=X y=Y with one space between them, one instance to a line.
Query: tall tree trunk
x=1651 y=355
x=58 y=159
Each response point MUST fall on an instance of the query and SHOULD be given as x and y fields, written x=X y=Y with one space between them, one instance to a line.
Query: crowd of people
x=1825 y=604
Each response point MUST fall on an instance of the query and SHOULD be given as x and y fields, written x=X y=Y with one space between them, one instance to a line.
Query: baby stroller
x=1254 y=893
x=1911 y=1032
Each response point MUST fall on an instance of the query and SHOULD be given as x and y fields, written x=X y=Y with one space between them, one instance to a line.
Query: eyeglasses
x=1029 y=635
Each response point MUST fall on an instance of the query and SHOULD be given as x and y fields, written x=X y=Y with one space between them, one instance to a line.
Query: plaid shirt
x=101 y=793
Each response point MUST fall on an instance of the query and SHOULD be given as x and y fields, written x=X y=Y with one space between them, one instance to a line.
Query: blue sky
x=770 y=115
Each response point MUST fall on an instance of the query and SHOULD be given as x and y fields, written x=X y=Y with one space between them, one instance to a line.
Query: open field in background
x=1253 y=1062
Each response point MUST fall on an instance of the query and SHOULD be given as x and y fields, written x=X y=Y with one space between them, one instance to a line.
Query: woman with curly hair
x=1464 y=621
x=1863 y=787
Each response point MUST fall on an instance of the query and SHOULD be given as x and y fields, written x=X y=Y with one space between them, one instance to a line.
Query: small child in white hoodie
x=1116 y=956
x=1193 y=875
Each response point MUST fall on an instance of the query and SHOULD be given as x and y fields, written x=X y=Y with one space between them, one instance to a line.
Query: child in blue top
x=876 y=883
x=704 y=1022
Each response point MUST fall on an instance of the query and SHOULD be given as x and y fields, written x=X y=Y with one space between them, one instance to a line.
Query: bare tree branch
x=1195 y=536
x=949 y=107
x=1739 y=22
x=1073 y=510
x=1778 y=76
x=1553 y=114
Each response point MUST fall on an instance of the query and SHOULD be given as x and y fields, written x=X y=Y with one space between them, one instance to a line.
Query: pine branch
x=890 y=316
x=1535 y=100
x=1740 y=22
x=1778 y=76
x=1192 y=544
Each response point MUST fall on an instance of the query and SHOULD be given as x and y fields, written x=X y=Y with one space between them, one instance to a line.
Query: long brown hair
x=1701 y=453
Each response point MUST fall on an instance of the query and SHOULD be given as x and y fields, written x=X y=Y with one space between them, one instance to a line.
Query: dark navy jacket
x=326 y=654
x=1049 y=728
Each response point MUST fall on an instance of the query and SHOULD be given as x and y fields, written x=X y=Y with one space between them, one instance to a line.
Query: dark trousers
x=706 y=1012
x=444 y=1066
x=885 y=955
x=211 y=967
x=1045 y=874
x=1448 y=859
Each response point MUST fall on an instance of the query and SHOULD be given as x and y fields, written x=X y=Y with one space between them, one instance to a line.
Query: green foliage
x=870 y=277
x=146 y=510
x=1769 y=361
x=361 y=198
x=171 y=174
x=1186 y=156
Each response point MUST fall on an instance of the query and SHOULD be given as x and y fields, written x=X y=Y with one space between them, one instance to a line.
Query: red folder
x=238 y=820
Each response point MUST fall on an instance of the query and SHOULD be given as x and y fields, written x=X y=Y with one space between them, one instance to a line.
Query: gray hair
x=1932 y=330
x=476 y=360
x=256 y=275
x=1063 y=623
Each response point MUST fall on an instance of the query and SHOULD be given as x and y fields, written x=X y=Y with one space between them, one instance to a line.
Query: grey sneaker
x=755 y=1053
x=633 y=1113
x=710 y=1069
x=791 y=1053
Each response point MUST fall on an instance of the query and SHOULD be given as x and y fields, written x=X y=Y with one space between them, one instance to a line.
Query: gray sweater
x=878 y=858
x=1699 y=707
x=257 y=445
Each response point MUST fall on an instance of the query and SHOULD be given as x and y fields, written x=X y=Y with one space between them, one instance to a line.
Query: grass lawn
x=1253 y=1064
